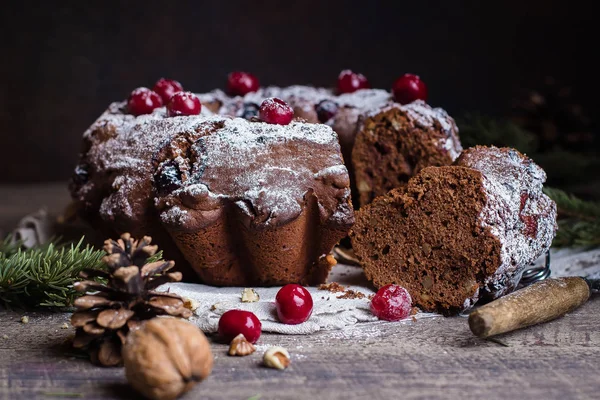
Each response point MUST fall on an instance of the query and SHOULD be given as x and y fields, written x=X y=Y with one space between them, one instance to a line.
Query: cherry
x=240 y=83
x=167 y=88
x=142 y=101
x=409 y=88
x=326 y=109
x=275 y=111
x=234 y=322
x=391 y=303
x=184 y=103
x=294 y=304
x=349 y=82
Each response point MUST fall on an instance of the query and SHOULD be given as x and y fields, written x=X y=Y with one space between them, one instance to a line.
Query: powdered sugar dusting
x=513 y=186
x=265 y=169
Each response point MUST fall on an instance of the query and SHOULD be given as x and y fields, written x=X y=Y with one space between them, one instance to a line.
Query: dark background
x=64 y=62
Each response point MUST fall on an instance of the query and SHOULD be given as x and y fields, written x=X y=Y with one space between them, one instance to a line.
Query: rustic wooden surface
x=436 y=358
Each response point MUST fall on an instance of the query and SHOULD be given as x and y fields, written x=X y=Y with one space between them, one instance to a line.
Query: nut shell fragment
x=240 y=346
x=276 y=357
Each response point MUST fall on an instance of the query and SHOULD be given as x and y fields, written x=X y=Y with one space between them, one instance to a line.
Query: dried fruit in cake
x=409 y=88
x=350 y=81
x=458 y=233
x=396 y=142
x=143 y=101
x=167 y=88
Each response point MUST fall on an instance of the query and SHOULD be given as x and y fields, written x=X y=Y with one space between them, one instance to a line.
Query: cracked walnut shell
x=166 y=357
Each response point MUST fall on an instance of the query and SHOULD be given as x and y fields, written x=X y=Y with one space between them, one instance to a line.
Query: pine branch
x=44 y=276
x=579 y=220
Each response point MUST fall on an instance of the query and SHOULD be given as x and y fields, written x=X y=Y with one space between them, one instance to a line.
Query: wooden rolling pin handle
x=543 y=301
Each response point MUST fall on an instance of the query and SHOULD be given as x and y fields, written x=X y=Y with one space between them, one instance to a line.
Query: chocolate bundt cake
x=250 y=203
x=396 y=142
x=455 y=234
x=245 y=202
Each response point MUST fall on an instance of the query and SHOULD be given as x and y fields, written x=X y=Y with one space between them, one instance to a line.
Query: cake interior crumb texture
x=456 y=234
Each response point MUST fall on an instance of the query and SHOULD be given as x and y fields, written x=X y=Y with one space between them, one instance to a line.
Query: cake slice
x=395 y=142
x=455 y=234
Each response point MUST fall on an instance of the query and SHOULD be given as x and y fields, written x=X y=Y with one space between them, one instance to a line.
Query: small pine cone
x=105 y=317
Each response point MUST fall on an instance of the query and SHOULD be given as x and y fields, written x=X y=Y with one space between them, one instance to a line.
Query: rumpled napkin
x=331 y=312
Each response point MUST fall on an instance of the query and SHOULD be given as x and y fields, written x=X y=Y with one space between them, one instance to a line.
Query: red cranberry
x=234 y=322
x=409 y=88
x=294 y=304
x=240 y=83
x=167 y=88
x=184 y=103
x=142 y=101
x=326 y=110
x=391 y=303
x=349 y=82
x=276 y=111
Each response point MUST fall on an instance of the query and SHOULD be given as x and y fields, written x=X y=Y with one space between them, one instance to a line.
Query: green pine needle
x=44 y=276
x=579 y=220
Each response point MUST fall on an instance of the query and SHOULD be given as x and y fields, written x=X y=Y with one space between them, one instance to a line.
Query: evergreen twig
x=578 y=220
x=44 y=275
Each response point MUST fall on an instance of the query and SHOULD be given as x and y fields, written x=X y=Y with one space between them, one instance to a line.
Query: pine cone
x=113 y=309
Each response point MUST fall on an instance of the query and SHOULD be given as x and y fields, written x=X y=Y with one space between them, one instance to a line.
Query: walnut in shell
x=166 y=357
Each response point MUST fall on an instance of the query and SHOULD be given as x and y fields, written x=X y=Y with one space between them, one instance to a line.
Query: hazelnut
x=166 y=357
x=250 y=296
x=276 y=357
x=240 y=346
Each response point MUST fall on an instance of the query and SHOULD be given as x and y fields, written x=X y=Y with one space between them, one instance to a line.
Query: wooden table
x=435 y=358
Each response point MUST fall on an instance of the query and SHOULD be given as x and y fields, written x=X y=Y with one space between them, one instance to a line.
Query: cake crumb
x=371 y=296
x=333 y=287
x=4 y=336
x=25 y=319
x=64 y=326
x=414 y=311
x=351 y=294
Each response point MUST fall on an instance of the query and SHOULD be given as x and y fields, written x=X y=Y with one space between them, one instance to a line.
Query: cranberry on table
x=183 y=103
x=240 y=83
x=167 y=88
x=275 y=111
x=294 y=304
x=143 y=101
x=409 y=88
x=391 y=303
x=326 y=110
x=349 y=82
x=234 y=322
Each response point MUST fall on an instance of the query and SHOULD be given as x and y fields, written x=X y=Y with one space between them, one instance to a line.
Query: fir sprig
x=44 y=276
x=578 y=220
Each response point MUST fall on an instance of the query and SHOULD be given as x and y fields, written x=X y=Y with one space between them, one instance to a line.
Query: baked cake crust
x=455 y=234
x=292 y=196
